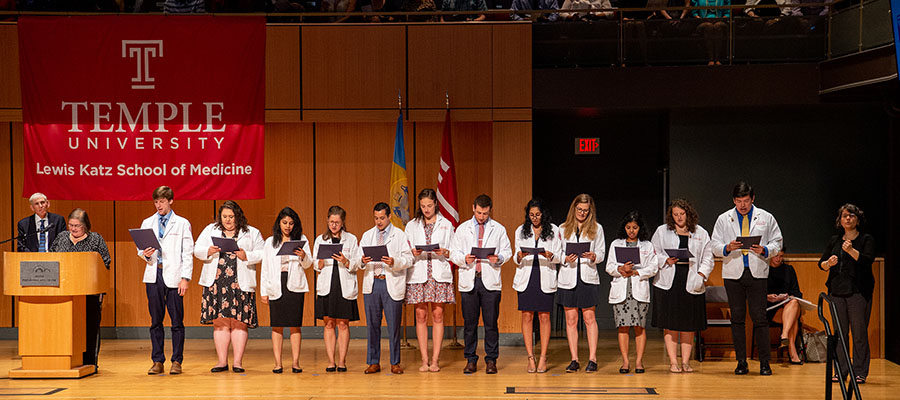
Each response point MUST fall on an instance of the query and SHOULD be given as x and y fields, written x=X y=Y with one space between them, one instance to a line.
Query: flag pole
x=454 y=342
x=404 y=343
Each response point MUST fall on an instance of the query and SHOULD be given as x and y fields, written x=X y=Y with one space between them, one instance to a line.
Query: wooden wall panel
x=10 y=96
x=353 y=170
x=131 y=294
x=512 y=65
x=450 y=57
x=7 y=222
x=353 y=67
x=289 y=183
x=282 y=67
x=512 y=190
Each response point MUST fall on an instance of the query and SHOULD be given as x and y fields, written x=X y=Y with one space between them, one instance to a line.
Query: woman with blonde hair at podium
x=229 y=282
x=79 y=238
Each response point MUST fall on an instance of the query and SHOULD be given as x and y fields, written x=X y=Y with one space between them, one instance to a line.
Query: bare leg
x=671 y=339
x=296 y=338
x=330 y=341
x=592 y=332
x=343 y=341
x=221 y=338
x=572 y=331
x=238 y=341
x=528 y=337
x=544 y=320
x=640 y=343
x=789 y=317
x=422 y=333
x=437 y=335
x=277 y=341
x=687 y=343
x=623 y=344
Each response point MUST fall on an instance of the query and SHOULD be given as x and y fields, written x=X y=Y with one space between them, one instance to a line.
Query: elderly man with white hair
x=37 y=231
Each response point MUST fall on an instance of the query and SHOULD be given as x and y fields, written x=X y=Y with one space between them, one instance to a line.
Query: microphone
x=46 y=228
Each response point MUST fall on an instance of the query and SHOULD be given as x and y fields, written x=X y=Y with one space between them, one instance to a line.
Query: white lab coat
x=270 y=275
x=640 y=284
x=440 y=265
x=250 y=241
x=465 y=238
x=349 y=286
x=394 y=276
x=728 y=228
x=589 y=274
x=698 y=244
x=548 y=267
x=177 y=247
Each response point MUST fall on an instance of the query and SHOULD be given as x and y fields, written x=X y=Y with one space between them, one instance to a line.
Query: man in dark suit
x=30 y=236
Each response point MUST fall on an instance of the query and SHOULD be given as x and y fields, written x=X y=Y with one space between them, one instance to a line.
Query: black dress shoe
x=490 y=367
x=296 y=370
x=796 y=362
x=639 y=370
x=783 y=344
x=277 y=370
x=237 y=369
x=330 y=369
x=573 y=366
x=742 y=368
x=219 y=369
x=591 y=366
x=624 y=370
x=765 y=369
x=470 y=368
x=341 y=369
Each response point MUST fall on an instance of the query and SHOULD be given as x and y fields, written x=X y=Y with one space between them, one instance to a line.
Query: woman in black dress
x=336 y=288
x=535 y=278
x=848 y=258
x=283 y=284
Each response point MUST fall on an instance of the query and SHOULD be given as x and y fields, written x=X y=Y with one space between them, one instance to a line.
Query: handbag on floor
x=816 y=346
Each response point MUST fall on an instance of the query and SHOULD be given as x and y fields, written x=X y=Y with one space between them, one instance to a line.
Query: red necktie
x=480 y=237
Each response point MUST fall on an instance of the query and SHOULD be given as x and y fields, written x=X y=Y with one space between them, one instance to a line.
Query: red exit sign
x=587 y=146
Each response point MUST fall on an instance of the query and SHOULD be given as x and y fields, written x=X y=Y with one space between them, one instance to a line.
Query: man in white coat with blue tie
x=746 y=271
x=384 y=286
x=166 y=276
x=479 y=281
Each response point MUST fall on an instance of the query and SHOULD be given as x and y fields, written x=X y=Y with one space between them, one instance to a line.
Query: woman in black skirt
x=336 y=288
x=283 y=284
x=679 y=300
x=535 y=278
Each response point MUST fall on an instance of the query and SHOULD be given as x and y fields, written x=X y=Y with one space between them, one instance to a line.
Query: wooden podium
x=52 y=318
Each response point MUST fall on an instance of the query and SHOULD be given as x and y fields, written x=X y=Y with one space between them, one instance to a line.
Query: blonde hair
x=589 y=227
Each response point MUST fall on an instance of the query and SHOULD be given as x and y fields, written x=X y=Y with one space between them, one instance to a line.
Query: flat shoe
x=860 y=380
x=591 y=366
x=624 y=370
x=219 y=369
x=686 y=367
x=237 y=369
x=277 y=370
x=796 y=362
x=341 y=369
x=639 y=370
x=330 y=369
x=675 y=369
x=296 y=370
x=573 y=367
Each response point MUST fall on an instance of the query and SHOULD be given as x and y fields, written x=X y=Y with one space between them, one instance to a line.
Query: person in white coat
x=629 y=291
x=429 y=281
x=679 y=299
x=283 y=285
x=166 y=278
x=579 y=280
x=746 y=271
x=384 y=286
x=535 y=279
x=229 y=283
x=479 y=281
x=336 y=288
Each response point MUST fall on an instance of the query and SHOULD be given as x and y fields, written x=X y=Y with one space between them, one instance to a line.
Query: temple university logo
x=142 y=51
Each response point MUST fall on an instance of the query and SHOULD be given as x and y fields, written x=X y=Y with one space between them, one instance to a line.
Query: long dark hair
x=295 y=234
x=240 y=221
x=546 y=228
x=427 y=193
x=635 y=217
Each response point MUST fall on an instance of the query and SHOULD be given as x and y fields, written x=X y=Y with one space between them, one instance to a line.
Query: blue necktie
x=162 y=231
x=42 y=239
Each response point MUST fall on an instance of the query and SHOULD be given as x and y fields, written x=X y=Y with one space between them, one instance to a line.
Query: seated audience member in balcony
x=661 y=9
x=817 y=11
x=338 y=6
x=464 y=5
x=714 y=32
x=185 y=6
x=522 y=5
x=587 y=4
x=420 y=6
x=772 y=12
x=783 y=285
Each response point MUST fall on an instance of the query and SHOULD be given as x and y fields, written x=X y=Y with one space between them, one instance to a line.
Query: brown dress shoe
x=470 y=368
x=490 y=367
x=396 y=369
x=175 y=369
x=156 y=369
x=373 y=369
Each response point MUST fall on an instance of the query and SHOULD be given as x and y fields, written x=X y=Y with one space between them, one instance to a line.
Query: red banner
x=115 y=106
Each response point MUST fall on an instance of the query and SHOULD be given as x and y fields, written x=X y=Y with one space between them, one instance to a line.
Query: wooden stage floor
x=123 y=366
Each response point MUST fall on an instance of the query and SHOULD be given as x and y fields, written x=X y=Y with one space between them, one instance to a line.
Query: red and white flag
x=446 y=188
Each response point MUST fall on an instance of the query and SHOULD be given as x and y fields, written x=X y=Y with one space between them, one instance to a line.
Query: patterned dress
x=631 y=312
x=431 y=291
x=225 y=299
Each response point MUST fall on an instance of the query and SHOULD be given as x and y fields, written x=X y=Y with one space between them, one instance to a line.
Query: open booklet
x=804 y=304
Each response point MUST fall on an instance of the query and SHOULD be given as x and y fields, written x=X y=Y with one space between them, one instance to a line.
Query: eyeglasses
x=582 y=210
